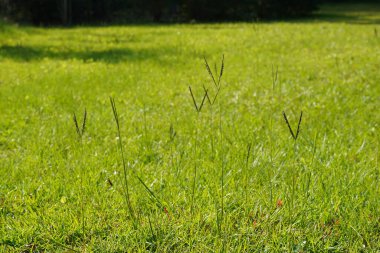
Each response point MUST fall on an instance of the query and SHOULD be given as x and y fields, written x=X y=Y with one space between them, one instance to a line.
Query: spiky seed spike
x=192 y=96
x=210 y=72
x=84 y=121
x=299 y=125
x=221 y=72
x=76 y=125
x=115 y=115
x=290 y=128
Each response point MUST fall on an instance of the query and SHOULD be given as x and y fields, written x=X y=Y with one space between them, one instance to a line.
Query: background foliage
x=89 y=11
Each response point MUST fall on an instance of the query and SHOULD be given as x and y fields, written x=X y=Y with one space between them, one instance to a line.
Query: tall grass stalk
x=153 y=197
x=295 y=151
x=125 y=170
x=271 y=140
x=198 y=109
x=80 y=131
x=216 y=80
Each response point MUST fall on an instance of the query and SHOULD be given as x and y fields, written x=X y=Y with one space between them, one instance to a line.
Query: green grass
x=256 y=189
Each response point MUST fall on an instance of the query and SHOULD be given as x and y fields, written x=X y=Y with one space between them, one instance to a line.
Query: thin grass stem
x=125 y=171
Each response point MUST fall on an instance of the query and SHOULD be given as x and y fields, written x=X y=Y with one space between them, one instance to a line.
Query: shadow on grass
x=350 y=13
x=115 y=55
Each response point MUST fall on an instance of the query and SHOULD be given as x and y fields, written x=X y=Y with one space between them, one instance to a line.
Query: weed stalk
x=125 y=170
x=216 y=80
x=271 y=156
x=295 y=153
x=198 y=109
x=80 y=131
x=154 y=198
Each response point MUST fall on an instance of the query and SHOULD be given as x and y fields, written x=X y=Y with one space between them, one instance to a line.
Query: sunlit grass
x=316 y=193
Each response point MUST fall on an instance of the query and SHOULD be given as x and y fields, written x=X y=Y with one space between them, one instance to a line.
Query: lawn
x=228 y=177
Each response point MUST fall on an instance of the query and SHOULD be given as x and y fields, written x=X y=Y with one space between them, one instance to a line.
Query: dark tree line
x=110 y=11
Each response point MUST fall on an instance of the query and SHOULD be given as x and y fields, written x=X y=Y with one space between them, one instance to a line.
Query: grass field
x=228 y=178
